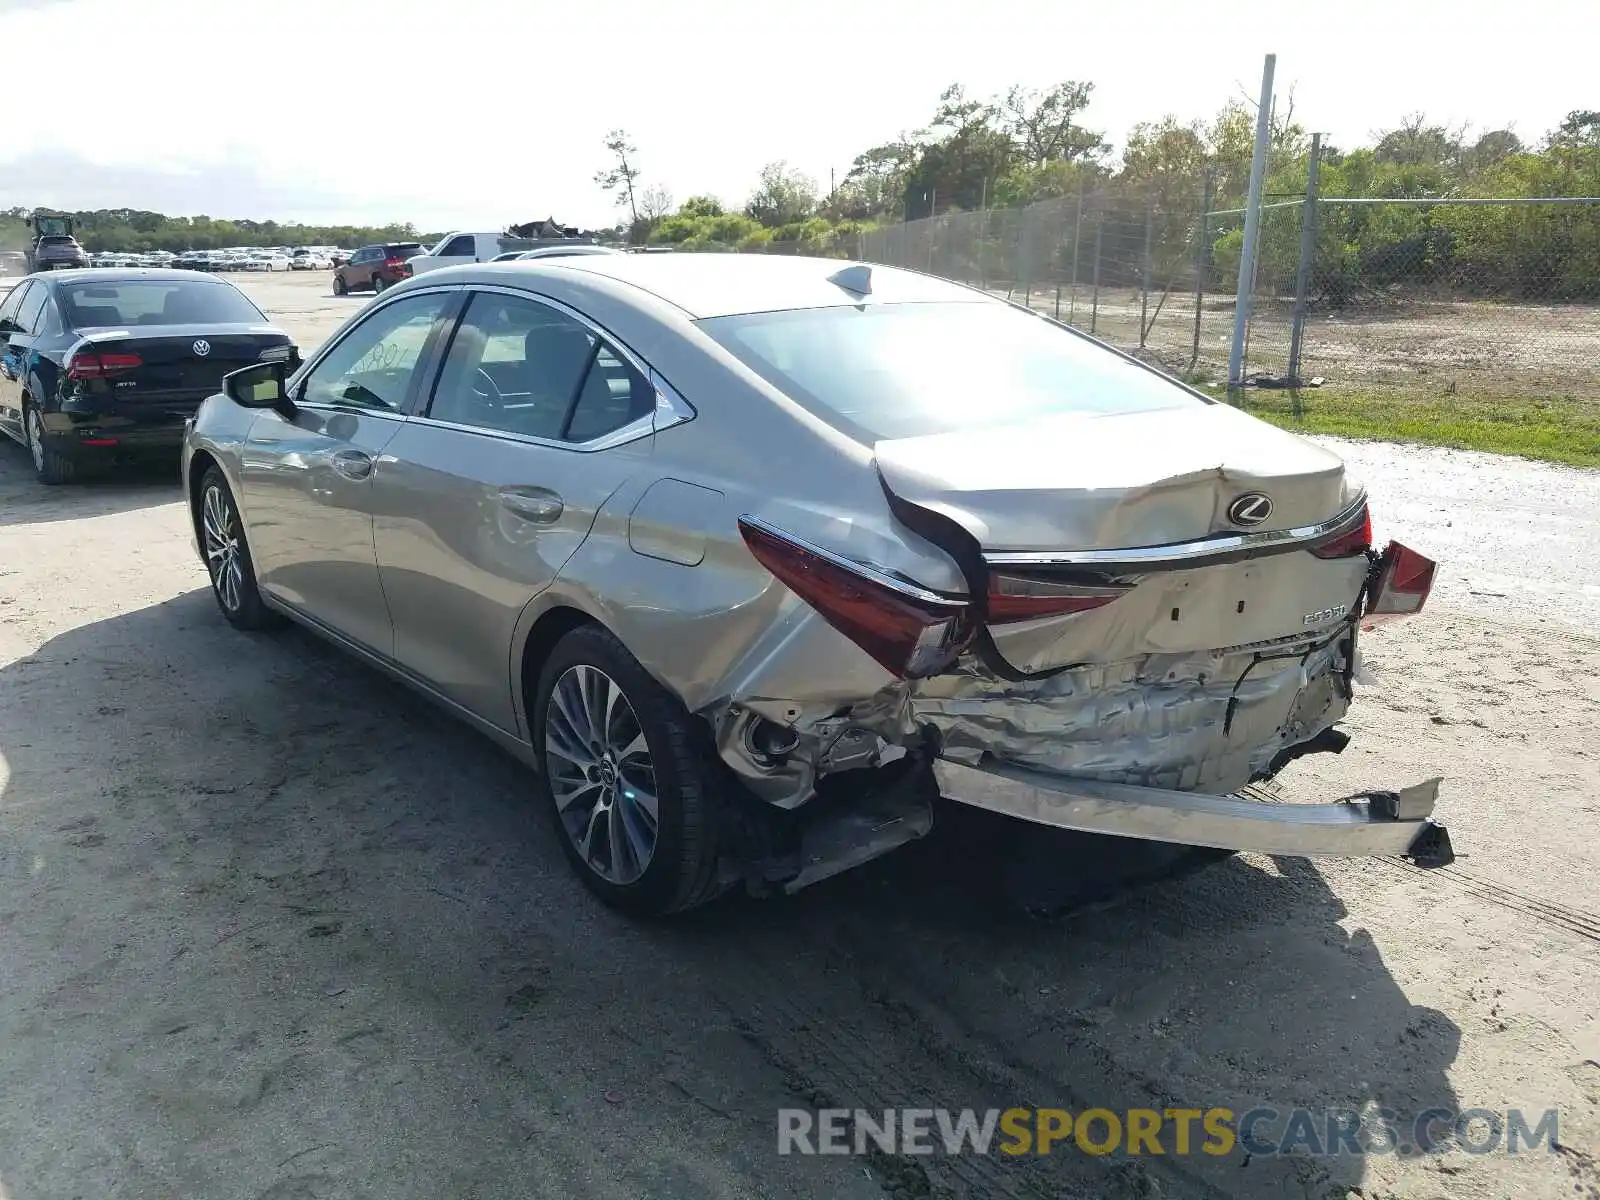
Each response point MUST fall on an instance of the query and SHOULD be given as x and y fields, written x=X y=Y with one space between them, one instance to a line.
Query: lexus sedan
x=755 y=558
x=108 y=363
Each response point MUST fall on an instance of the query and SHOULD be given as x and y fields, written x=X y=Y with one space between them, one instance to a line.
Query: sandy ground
x=271 y=927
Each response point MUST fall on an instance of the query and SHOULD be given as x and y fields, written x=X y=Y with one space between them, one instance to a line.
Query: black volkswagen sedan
x=105 y=364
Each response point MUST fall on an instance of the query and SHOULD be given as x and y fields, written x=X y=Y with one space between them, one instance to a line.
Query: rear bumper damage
x=1375 y=823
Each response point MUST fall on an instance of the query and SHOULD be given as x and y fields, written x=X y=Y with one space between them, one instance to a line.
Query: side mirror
x=261 y=385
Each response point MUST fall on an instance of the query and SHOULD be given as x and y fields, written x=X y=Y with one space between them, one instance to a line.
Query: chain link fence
x=1128 y=272
x=1496 y=297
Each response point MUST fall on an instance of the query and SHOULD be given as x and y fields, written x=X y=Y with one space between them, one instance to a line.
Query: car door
x=13 y=352
x=534 y=421
x=307 y=479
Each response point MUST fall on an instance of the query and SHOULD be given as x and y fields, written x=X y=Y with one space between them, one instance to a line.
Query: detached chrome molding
x=1225 y=545
x=1381 y=823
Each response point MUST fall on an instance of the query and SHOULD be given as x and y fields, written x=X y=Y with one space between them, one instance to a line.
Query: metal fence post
x=1144 y=277
x=1245 y=295
x=1308 y=254
x=1202 y=258
x=1077 y=229
x=1099 y=229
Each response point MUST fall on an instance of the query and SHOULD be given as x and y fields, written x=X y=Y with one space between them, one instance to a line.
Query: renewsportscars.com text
x=1170 y=1131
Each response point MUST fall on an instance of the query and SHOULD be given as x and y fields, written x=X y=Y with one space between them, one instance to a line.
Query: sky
x=478 y=113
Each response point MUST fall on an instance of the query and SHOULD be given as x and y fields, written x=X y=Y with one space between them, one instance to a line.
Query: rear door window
x=514 y=366
x=31 y=309
x=9 y=306
x=614 y=395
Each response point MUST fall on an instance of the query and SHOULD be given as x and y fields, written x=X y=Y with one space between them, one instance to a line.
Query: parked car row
x=240 y=258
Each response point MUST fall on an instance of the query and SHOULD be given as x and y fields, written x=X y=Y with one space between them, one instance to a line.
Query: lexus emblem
x=1252 y=508
x=202 y=347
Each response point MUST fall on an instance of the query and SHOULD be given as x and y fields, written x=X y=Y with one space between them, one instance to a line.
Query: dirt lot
x=1436 y=347
x=272 y=927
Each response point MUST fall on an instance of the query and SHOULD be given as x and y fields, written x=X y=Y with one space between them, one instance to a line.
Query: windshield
x=156 y=302
x=907 y=370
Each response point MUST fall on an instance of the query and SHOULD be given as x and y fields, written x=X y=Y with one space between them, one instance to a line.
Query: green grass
x=1551 y=429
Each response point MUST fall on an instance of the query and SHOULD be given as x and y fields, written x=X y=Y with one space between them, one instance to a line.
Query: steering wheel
x=486 y=391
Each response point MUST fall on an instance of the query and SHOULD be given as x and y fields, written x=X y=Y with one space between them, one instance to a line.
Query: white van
x=457 y=249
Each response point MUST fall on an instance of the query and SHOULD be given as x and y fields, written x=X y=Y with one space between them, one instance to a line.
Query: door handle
x=353 y=464
x=539 y=505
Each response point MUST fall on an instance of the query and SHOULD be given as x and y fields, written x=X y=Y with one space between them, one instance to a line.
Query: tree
x=655 y=202
x=1042 y=124
x=619 y=179
x=701 y=206
x=1580 y=130
x=1414 y=142
x=875 y=184
x=784 y=195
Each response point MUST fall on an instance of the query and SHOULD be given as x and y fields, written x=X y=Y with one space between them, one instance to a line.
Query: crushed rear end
x=1136 y=646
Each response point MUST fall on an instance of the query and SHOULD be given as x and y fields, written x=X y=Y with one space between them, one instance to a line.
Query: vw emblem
x=202 y=347
x=1252 y=508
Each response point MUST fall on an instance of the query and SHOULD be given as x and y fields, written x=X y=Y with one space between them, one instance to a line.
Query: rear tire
x=227 y=555
x=611 y=735
x=50 y=466
x=378 y=284
x=340 y=287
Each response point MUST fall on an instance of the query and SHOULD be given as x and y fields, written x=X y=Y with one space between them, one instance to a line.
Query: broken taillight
x=1401 y=588
x=911 y=631
x=1357 y=540
x=1021 y=598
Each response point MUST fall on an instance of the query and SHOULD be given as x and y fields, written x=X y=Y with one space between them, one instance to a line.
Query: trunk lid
x=1095 y=482
x=1046 y=501
x=170 y=362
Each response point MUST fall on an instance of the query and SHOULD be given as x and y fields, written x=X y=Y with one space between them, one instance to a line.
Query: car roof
x=716 y=285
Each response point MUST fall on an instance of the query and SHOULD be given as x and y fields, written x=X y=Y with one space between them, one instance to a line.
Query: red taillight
x=89 y=365
x=394 y=263
x=1404 y=580
x=1018 y=598
x=1353 y=541
x=912 y=632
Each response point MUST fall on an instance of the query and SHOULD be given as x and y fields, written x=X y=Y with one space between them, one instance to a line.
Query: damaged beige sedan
x=755 y=558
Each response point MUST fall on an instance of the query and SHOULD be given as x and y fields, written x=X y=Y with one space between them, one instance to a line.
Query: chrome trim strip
x=1183 y=552
x=910 y=590
x=639 y=427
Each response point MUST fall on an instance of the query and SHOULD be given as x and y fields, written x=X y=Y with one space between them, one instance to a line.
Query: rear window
x=156 y=302
x=907 y=370
x=57 y=239
x=402 y=250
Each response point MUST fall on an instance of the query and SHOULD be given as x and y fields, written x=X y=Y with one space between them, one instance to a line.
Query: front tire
x=51 y=466
x=227 y=555
x=630 y=793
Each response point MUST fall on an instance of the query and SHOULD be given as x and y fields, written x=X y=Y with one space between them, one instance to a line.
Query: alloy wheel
x=224 y=556
x=36 y=439
x=601 y=774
